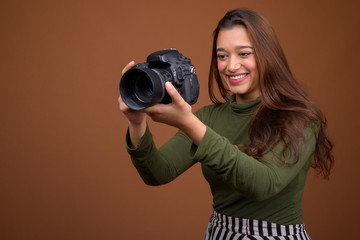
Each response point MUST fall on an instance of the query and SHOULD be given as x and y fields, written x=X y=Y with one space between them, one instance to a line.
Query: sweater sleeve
x=257 y=179
x=160 y=166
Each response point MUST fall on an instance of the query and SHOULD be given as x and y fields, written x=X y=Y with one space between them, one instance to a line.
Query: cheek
x=221 y=66
x=252 y=66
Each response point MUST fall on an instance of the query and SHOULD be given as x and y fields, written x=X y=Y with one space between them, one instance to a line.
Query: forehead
x=234 y=36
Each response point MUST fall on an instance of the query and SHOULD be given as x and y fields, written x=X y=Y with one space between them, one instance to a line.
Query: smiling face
x=236 y=63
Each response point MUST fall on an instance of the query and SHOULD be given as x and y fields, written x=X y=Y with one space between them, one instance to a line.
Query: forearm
x=194 y=129
x=160 y=166
x=255 y=178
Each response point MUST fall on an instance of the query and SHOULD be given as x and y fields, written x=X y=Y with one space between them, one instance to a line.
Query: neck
x=241 y=99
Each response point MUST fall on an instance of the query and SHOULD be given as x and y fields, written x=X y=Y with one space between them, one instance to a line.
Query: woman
x=255 y=148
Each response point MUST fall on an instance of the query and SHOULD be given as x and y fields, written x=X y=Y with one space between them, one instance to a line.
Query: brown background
x=64 y=171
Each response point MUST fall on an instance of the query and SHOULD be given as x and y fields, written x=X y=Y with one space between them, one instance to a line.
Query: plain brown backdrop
x=64 y=170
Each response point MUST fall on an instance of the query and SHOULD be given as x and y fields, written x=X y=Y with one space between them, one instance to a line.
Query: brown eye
x=221 y=56
x=245 y=54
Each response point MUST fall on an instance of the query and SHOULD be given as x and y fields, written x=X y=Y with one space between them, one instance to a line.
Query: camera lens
x=141 y=88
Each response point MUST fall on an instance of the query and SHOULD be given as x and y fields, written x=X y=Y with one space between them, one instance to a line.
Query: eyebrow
x=239 y=47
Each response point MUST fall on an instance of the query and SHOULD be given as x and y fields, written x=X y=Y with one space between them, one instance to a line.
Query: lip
x=237 y=78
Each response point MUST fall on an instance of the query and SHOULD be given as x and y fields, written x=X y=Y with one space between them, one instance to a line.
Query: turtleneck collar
x=244 y=108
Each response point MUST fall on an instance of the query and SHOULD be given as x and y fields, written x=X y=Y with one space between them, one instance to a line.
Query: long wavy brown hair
x=285 y=109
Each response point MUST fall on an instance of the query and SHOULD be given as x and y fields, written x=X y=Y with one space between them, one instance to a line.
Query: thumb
x=173 y=93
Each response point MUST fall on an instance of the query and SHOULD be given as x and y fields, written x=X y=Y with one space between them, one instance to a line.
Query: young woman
x=255 y=149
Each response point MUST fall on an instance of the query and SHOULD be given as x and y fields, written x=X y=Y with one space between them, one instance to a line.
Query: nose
x=234 y=64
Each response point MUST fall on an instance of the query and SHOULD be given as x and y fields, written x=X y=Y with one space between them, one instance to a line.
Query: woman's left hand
x=178 y=114
x=175 y=113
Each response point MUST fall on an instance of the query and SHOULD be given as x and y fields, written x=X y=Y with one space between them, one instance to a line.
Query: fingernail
x=168 y=85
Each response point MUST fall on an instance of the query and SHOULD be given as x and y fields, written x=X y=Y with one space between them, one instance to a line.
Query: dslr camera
x=144 y=84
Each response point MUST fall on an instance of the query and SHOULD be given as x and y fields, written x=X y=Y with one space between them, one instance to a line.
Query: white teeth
x=237 y=76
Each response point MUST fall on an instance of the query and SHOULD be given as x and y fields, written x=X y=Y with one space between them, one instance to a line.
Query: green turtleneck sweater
x=262 y=189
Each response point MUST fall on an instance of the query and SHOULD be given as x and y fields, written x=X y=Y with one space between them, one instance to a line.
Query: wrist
x=194 y=129
x=137 y=124
x=136 y=132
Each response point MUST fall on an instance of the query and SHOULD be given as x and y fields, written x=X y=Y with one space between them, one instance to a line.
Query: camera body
x=144 y=84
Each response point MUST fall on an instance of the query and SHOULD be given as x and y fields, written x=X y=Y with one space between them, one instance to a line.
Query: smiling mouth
x=237 y=78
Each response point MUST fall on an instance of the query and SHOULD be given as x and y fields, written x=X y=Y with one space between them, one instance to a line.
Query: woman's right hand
x=134 y=117
x=137 y=119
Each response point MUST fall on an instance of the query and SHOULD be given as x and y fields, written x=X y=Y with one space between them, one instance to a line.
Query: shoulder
x=210 y=110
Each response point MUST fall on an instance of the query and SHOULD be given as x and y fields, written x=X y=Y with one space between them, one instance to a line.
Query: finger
x=173 y=93
x=128 y=66
x=122 y=105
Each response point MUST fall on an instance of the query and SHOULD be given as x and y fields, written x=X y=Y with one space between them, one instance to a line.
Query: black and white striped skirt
x=223 y=227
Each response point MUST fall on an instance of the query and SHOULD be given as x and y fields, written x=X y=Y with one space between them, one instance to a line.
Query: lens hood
x=142 y=87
